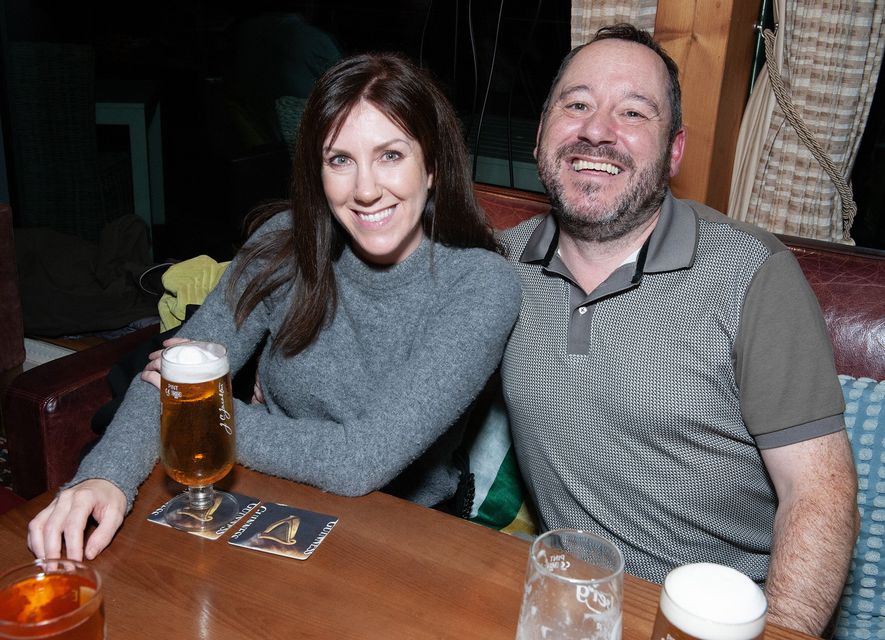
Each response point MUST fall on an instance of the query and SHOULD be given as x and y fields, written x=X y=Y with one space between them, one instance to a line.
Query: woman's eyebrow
x=378 y=147
x=392 y=142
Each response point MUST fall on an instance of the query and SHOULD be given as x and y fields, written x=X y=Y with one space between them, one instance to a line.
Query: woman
x=376 y=299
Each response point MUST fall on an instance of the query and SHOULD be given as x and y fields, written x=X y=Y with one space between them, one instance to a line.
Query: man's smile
x=588 y=165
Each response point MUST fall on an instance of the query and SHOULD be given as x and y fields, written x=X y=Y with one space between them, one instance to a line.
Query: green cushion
x=500 y=499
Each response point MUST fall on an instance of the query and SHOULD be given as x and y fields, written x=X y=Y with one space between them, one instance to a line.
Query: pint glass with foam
x=197 y=431
x=706 y=601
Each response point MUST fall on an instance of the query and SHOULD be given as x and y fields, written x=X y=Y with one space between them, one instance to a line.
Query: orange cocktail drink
x=58 y=599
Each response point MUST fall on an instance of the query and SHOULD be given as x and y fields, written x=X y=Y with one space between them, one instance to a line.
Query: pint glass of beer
x=57 y=599
x=573 y=588
x=197 y=433
x=706 y=601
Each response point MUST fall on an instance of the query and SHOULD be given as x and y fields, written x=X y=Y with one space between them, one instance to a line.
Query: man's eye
x=576 y=106
x=391 y=155
x=633 y=114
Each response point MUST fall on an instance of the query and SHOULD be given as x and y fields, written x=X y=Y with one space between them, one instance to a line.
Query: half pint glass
x=197 y=432
x=706 y=601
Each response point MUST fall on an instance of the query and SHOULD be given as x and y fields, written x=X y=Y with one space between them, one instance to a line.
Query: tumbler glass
x=58 y=599
x=573 y=588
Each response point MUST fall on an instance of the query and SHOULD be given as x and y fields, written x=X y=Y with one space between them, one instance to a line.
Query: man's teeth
x=377 y=217
x=580 y=165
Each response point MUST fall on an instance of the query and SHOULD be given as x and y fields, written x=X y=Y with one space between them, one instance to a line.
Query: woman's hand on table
x=151 y=371
x=65 y=519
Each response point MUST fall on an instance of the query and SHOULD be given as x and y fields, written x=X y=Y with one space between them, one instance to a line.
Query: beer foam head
x=194 y=362
x=713 y=602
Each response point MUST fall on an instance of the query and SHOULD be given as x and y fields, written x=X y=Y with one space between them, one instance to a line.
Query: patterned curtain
x=803 y=124
x=589 y=15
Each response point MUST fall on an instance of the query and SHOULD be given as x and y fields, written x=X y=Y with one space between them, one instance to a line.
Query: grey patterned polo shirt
x=638 y=410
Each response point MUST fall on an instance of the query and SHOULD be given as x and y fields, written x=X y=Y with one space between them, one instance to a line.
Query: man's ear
x=676 y=150
x=538 y=138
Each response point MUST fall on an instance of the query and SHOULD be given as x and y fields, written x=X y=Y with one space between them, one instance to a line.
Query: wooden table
x=389 y=569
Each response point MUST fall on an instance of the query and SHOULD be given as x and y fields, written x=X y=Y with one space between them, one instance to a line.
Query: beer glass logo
x=595 y=600
x=172 y=391
x=557 y=562
x=224 y=417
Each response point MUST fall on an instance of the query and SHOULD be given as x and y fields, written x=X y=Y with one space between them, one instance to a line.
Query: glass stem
x=201 y=498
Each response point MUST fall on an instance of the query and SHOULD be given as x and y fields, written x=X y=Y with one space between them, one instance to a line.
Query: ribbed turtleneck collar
x=416 y=266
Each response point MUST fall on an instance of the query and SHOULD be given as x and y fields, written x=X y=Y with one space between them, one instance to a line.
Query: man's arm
x=814 y=530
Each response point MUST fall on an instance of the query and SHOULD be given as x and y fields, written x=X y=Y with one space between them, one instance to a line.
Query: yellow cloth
x=187 y=282
x=524 y=522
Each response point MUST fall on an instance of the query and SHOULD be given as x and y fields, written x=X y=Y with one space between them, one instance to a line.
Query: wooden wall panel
x=712 y=42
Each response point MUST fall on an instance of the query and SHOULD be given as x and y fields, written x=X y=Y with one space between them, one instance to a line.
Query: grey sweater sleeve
x=410 y=408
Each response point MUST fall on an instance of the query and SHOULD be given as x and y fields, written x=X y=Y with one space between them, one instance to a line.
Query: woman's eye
x=391 y=155
x=338 y=161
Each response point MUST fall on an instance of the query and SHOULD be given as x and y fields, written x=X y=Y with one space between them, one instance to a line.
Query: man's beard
x=582 y=220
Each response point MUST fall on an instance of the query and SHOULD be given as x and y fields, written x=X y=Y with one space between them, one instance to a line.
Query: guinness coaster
x=284 y=530
x=245 y=504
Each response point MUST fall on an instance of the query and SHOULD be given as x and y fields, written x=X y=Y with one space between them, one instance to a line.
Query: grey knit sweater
x=374 y=396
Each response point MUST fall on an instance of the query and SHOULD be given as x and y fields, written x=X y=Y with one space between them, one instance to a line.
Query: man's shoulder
x=730 y=230
x=514 y=240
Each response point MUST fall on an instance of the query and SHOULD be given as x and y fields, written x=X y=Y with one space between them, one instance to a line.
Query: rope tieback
x=849 y=208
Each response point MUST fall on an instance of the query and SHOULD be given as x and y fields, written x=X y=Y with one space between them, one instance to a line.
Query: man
x=670 y=382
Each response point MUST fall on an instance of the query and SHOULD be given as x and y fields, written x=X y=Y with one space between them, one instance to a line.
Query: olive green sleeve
x=784 y=359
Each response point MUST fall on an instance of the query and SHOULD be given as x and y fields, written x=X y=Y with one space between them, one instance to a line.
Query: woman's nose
x=367 y=189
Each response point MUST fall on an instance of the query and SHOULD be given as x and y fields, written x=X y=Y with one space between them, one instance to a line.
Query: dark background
x=187 y=51
x=494 y=59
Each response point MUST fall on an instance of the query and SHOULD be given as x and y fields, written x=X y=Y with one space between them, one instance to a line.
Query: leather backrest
x=850 y=286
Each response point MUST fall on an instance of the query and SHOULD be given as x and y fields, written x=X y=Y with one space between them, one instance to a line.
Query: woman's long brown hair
x=303 y=254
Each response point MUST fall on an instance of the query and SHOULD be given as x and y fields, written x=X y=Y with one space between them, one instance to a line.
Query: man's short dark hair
x=630 y=33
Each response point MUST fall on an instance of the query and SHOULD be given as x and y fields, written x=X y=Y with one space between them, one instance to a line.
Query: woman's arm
x=129 y=449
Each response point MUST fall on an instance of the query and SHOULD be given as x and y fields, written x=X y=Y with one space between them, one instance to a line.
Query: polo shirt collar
x=671 y=245
x=673 y=242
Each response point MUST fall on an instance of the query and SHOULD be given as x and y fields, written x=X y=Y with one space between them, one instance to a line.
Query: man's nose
x=367 y=189
x=598 y=128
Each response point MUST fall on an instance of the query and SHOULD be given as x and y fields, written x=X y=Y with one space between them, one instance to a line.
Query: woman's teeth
x=376 y=217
